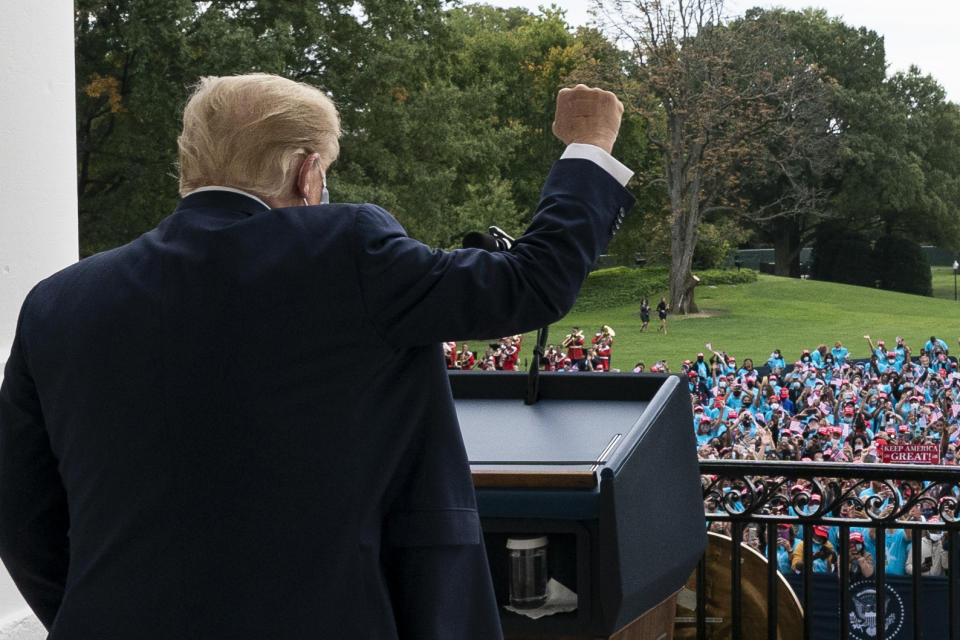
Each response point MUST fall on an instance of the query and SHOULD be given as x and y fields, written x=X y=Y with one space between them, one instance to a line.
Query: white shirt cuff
x=597 y=155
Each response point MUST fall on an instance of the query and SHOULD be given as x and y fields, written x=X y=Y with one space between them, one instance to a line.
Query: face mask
x=935 y=537
x=858 y=546
x=775 y=406
x=324 y=194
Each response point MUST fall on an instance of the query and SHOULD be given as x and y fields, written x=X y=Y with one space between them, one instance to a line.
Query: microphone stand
x=533 y=380
x=504 y=243
x=496 y=239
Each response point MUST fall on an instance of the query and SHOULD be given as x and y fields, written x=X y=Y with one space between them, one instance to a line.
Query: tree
x=446 y=114
x=902 y=173
x=718 y=109
x=902 y=266
x=784 y=189
x=136 y=60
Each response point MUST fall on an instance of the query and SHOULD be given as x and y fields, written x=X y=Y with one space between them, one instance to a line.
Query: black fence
x=753 y=500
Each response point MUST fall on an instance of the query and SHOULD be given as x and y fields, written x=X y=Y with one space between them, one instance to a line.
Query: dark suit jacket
x=240 y=426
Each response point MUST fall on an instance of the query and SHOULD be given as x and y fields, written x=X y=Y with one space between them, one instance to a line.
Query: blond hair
x=249 y=132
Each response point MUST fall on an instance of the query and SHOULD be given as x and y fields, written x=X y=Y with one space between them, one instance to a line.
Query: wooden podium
x=604 y=465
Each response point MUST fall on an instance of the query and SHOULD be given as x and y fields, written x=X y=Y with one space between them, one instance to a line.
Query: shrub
x=902 y=266
x=842 y=255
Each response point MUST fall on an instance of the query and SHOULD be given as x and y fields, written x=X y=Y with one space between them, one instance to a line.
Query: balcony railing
x=758 y=496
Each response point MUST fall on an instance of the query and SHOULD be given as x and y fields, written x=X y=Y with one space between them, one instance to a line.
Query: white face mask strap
x=324 y=194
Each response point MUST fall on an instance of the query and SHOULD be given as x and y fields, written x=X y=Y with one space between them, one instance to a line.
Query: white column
x=38 y=185
x=38 y=151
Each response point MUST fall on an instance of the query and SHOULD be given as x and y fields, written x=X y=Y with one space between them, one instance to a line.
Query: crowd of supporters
x=825 y=406
x=821 y=406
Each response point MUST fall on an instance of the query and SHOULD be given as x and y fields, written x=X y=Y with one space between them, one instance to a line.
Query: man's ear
x=306 y=176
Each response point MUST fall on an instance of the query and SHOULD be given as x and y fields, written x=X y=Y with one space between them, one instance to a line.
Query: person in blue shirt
x=901 y=349
x=784 y=546
x=935 y=343
x=817 y=356
x=776 y=361
x=839 y=353
x=785 y=402
x=896 y=546
x=889 y=363
x=747 y=369
x=736 y=397
x=704 y=431
x=829 y=362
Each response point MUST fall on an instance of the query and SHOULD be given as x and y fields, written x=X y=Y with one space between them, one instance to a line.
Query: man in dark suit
x=180 y=455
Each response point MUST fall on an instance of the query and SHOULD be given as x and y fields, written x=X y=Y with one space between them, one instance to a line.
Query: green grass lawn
x=943 y=282
x=750 y=320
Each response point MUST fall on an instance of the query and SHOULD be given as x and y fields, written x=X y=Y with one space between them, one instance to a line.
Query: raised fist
x=587 y=115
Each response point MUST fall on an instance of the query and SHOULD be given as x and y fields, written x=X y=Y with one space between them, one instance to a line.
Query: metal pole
x=956 y=265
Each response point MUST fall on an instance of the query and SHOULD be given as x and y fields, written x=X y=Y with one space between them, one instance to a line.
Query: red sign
x=911 y=453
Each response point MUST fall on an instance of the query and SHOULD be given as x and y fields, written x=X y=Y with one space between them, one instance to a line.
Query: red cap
x=821 y=531
x=784 y=392
x=731 y=415
x=848 y=411
x=856 y=536
x=904 y=428
x=880 y=343
x=705 y=419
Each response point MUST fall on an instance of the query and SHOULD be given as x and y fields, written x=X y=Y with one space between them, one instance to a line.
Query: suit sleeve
x=33 y=508
x=416 y=296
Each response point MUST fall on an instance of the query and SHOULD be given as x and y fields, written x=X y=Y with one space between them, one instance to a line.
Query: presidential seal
x=863 y=613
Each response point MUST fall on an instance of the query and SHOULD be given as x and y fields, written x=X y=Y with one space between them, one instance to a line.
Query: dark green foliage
x=843 y=255
x=446 y=113
x=606 y=288
x=902 y=266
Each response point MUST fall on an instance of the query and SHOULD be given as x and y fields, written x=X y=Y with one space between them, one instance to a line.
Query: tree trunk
x=684 y=227
x=786 y=245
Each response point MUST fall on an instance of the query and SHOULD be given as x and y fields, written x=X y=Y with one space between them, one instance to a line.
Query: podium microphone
x=496 y=239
